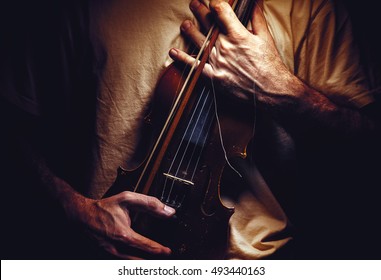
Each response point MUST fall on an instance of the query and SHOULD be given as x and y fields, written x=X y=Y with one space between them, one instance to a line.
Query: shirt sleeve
x=324 y=53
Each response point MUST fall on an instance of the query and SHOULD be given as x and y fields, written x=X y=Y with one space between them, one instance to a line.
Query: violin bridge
x=183 y=181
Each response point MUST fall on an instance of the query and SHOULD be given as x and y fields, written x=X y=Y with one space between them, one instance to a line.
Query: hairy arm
x=107 y=220
x=248 y=63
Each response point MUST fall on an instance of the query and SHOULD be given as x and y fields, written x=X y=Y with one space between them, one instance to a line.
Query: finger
x=258 y=21
x=226 y=17
x=202 y=13
x=145 y=203
x=135 y=240
x=179 y=55
x=192 y=32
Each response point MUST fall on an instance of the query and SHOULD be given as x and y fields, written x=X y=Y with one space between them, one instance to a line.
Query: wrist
x=72 y=202
x=289 y=95
x=285 y=95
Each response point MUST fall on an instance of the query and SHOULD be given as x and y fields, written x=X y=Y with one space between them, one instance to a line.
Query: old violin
x=197 y=131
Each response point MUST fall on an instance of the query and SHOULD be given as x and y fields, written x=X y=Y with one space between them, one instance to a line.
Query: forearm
x=249 y=64
x=59 y=190
x=321 y=110
x=305 y=105
x=24 y=148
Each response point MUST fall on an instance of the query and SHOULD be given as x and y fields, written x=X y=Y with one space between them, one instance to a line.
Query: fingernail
x=186 y=24
x=194 y=4
x=169 y=210
x=173 y=52
x=167 y=251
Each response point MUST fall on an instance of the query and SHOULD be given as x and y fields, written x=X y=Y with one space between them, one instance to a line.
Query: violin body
x=189 y=175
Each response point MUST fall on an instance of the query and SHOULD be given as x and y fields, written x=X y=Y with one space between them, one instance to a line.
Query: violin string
x=254 y=116
x=175 y=102
x=194 y=65
x=194 y=148
x=208 y=114
x=178 y=149
x=181 y=142
x=198 y=139
x=184 y=70
x=205 y=45
x=204 y=142
x=202 y=148
x=220 y=132
x=173 y=110
x=188 y=142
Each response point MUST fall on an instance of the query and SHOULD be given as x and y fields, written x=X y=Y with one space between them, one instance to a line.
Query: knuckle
x=219 y=75
x=156 y=250
x=126 y=237
x=187 y=26
x=242 y=36
x=99 y=203
x=218 y=6
x=153 y=203
x=223 y=48
x=126 y=195
x=201 y=41
x=185 y=58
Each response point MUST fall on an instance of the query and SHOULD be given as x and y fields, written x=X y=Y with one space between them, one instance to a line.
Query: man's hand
x=108 y=221
x=241 y=60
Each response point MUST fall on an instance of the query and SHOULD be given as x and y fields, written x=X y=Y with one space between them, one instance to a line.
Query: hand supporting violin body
x=108 y=220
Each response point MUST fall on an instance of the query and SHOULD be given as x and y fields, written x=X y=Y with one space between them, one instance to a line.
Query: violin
x=196 y=132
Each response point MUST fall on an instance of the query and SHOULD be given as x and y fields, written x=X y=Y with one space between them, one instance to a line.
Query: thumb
x=258 y=21
x=226 y=17
x=145 y=203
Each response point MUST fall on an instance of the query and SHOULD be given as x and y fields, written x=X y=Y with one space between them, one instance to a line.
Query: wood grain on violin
x=196 y=129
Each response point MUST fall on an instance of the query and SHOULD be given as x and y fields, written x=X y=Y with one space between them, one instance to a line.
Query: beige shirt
x=314 y=42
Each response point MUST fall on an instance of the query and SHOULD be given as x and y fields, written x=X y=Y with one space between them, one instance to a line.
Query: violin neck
x=243 y=9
